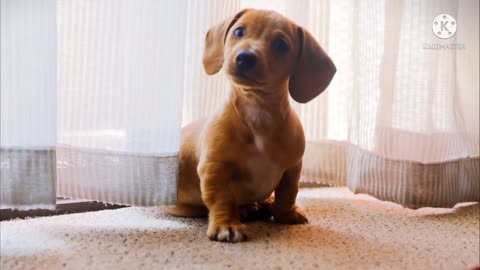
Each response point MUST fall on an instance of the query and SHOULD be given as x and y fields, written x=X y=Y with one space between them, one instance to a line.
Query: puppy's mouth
x=245 y=79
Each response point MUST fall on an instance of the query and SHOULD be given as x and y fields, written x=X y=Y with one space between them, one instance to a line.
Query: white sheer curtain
x=399 y=121
x=120 y=92
x=91 y=96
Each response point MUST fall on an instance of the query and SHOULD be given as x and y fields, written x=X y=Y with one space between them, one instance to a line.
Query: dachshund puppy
x=254 y=145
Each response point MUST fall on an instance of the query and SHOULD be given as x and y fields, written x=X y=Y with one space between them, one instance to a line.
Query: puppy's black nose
x=245 y=60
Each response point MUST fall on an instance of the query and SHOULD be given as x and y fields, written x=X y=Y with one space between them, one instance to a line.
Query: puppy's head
x=261 y=49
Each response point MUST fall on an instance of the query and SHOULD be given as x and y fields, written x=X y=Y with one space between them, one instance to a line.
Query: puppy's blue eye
x=280 y=46
x=239 y=32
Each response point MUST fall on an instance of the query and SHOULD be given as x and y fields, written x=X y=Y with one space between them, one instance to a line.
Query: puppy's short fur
x=254 y=146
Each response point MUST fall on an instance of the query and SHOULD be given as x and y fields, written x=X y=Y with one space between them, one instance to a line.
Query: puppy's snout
x=246 y=60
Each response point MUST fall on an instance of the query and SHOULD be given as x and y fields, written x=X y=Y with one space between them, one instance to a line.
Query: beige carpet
x=346 y=231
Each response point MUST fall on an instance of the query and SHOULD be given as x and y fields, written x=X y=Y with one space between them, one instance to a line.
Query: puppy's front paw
x=226 y=233
x=294 y=216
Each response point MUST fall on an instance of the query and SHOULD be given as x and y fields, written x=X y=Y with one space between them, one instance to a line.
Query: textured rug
x=346 y=231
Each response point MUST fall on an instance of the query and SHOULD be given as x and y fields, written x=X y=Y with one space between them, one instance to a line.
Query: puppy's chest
x=263 y=171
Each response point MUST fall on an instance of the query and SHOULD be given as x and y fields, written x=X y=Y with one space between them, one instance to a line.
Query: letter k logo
x=444 y=26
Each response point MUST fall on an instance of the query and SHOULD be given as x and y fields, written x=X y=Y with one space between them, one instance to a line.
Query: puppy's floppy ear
x=215 y=42
x=314 y=69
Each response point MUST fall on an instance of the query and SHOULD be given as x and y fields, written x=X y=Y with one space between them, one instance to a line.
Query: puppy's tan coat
x=254 y=146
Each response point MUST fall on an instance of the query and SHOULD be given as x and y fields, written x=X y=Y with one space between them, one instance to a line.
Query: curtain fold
x=28 y=103
x=120 y=91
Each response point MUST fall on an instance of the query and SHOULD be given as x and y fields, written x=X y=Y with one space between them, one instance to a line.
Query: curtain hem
x=27 y=178
x=118 y=178
x=411 y=184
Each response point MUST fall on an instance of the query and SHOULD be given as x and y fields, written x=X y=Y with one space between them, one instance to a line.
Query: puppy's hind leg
x=257 y=211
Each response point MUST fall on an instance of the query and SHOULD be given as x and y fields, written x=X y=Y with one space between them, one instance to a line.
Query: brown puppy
x=254 y=146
